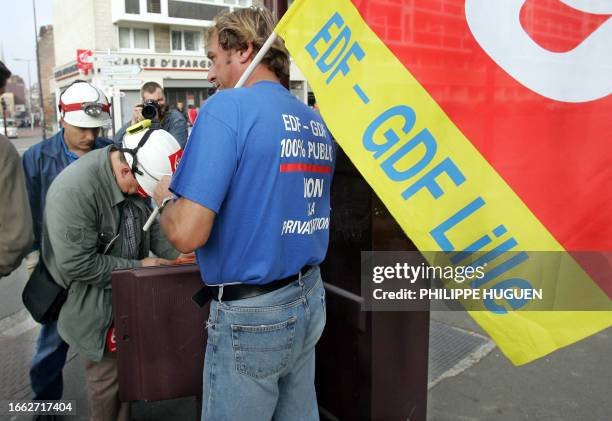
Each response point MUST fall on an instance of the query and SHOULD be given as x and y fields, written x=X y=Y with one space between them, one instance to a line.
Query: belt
x=241 y=291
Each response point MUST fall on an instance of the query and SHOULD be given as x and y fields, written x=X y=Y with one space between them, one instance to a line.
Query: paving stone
x=452 y=350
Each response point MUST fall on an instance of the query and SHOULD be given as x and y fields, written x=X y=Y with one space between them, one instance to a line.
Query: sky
x=17 y=33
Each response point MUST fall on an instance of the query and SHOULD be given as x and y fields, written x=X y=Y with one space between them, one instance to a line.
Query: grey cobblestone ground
x=15 y=356
x=570 y=384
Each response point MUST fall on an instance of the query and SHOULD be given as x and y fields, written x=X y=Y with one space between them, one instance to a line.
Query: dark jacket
x=173 y=122
x=42 y=163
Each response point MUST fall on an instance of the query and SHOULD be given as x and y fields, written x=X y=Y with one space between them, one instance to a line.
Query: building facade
x=137 y=41
x=15 y=97
x=46 y=61
x=8 y=106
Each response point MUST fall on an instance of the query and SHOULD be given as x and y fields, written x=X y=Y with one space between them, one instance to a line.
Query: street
x=572 y=383
x=27 y=138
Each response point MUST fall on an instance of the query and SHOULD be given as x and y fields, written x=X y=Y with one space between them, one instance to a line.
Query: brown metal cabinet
x=160 y=332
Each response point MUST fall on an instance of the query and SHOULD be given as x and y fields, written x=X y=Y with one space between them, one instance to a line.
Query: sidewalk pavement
x=28 y=132
x=17 y=344
x=570 y=384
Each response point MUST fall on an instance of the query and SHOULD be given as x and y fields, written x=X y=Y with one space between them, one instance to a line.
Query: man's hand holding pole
x=162 y=196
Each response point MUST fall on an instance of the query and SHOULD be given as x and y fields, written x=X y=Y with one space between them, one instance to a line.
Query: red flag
x=553 y=151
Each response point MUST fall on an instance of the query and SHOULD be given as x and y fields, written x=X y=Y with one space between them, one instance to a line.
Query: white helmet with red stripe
x=151 y=153
x=84 y=105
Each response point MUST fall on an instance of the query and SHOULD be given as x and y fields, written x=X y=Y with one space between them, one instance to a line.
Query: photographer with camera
x=154 y=107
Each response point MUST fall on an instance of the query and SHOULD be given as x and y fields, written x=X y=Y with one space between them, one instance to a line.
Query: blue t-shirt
x=263 y=162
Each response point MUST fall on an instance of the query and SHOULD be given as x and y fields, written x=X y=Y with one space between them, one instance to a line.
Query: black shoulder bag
x=42 y=296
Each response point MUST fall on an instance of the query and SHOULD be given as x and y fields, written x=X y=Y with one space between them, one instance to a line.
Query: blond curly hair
x=236 y=29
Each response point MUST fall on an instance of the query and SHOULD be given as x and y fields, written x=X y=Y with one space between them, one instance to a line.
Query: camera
x=150 y=109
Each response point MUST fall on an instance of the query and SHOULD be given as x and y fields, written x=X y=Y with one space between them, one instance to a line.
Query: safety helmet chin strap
x=134 y=151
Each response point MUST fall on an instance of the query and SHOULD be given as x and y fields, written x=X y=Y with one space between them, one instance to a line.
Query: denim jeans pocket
x=263 y=350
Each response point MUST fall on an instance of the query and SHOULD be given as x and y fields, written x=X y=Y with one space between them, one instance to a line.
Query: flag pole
x=247 y=73
x=256 y=60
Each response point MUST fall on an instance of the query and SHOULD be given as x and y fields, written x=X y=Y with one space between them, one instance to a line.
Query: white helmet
x=84 y=105
x=151 y=153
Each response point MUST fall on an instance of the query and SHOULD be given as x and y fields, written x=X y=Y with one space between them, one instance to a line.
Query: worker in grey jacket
x=92 y=225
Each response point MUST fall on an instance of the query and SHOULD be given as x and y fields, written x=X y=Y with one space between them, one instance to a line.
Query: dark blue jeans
x=48 y=363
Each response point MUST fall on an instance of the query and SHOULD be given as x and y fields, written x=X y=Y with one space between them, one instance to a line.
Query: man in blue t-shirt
x=253 y=191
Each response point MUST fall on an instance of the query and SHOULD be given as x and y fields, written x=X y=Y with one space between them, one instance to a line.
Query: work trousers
x=103 y=390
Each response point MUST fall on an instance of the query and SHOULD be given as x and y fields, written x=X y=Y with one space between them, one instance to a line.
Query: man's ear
x=125 y=171
x=246 y=54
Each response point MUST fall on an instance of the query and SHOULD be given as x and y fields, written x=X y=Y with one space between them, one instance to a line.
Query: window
x=189 y=10
x=132 y=6
x=190 y=40
x=177 y=43
x=141 y=38
x=153 y=6
x=238 y=2
x=124 y=38
x=137 y=38
x=186 y=40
